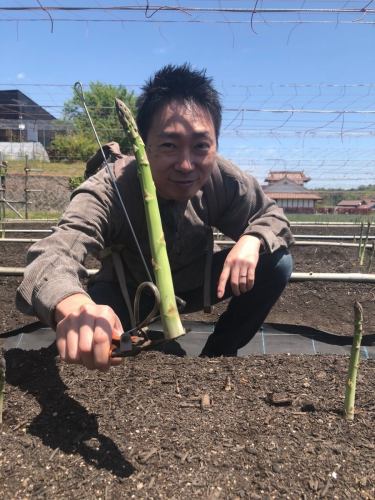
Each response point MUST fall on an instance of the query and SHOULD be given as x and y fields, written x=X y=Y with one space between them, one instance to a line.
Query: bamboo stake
x=354 y=362
x=170 y=317
x=2 y=385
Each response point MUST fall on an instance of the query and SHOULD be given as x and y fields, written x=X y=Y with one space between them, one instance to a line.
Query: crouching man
x=179 y=118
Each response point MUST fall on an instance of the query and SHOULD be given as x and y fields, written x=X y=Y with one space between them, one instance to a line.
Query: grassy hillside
x=66 y=169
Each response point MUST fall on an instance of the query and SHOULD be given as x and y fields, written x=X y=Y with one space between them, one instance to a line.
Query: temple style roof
x=296 y=176
x=286 y=189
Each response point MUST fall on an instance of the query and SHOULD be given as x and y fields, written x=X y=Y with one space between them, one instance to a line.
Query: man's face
x=181 y=148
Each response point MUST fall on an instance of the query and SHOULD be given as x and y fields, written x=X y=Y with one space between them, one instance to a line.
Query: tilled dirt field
x=165 y=427
x=263 y=427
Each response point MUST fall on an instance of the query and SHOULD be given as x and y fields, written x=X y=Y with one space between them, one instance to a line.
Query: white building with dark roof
x=287 y=189
x=25 y=126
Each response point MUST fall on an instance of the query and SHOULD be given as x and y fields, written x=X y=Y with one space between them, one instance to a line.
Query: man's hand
x=84 y=332
x=239 y=266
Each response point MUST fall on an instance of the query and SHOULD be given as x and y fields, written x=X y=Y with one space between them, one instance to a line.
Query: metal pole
x=29 y=222
x=26 y=190
x=12 y=208
x=364 y=245
x=325 y=224
x=225 y=243
x=360 y=241
x=333 y=277
x=2 y=212
x=46 y=231
x=331 y=237
x=2 y=196
x=301 y=243
x=369 y=266
x=19 y=240
x=317 y=237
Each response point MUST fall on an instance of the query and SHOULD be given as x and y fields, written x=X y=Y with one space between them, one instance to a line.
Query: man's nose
x=185 y=162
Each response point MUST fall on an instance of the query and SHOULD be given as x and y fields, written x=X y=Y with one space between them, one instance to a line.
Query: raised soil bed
x=158 y=426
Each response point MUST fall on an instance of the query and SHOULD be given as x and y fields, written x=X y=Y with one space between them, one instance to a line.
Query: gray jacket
x=230 y=201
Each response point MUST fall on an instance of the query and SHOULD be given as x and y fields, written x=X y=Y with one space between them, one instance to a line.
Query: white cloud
x=20 y=76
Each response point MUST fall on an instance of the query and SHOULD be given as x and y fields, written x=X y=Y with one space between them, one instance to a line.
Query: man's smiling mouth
x=184 y=181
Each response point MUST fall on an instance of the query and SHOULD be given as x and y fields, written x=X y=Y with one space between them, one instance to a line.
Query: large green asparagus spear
x=168 y=309
x=354 y=362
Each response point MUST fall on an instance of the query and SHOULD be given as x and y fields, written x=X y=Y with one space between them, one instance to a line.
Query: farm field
x=165 y=427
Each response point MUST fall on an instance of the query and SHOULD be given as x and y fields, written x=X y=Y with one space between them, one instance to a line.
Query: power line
x=235 y=110
x=186 y=21
x=302 y=110
x=257 y=14
x=184 y=9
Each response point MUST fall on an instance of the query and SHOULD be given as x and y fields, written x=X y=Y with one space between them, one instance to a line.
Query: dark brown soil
x=263 y=427
x=165 y=427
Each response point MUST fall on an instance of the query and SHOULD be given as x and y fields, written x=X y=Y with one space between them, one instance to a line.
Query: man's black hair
x=177 y=83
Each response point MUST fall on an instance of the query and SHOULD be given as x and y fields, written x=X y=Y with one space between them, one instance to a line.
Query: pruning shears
x=126 y=344
x=141 y=338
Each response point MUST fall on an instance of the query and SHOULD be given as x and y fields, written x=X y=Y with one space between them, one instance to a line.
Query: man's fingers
x=85 y=343
x=118 y=331
x=243 y=280
x=249 y=280
x=85 y=336
x=223 y=280
x=67 y=340
x=240 y=265
x=118 y=328
x=235 y=280
x=103 y=339
x=246 y=280
x=61 y=340
x=72 y=351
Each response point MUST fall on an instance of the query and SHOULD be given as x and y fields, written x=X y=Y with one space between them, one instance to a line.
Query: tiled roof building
x=355 y=206
x=298 y=177
x=290 y=194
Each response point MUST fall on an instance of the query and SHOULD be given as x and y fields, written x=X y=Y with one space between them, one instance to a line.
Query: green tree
x=72 y=147
x=100 y=100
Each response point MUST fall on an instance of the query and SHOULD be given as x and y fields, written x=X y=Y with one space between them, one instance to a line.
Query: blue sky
x=268 y=79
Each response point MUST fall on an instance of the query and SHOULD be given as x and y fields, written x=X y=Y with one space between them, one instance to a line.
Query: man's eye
x=168 y=145
x=203 y=146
